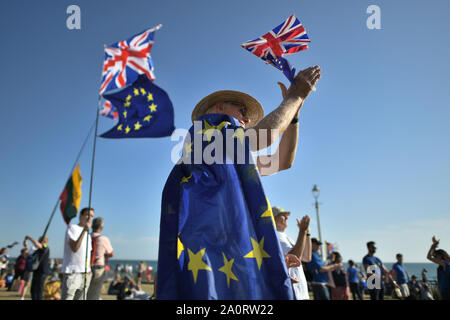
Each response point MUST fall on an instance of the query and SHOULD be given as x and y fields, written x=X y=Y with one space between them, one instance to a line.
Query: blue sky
x=373 y=137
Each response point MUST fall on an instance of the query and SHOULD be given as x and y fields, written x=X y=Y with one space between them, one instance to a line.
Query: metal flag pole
x=71 y=171
x=90 y=192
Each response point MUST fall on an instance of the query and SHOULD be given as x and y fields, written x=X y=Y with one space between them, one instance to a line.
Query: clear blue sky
x=374 y=136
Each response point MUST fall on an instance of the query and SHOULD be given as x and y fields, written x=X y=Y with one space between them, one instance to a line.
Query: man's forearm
x=77 y=244
x=276 y=122
x=288 y=146
x=299 y=246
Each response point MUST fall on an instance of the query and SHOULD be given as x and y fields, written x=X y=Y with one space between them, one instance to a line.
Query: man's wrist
x=295 y=120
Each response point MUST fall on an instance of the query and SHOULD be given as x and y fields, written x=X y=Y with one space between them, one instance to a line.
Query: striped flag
x=71 y=196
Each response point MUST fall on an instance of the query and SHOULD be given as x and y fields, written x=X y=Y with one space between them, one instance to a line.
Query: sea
x=411 y=267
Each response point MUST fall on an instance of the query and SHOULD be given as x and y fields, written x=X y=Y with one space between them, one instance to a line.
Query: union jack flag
x=289 y=37
x=126 y=60
x=109 y=111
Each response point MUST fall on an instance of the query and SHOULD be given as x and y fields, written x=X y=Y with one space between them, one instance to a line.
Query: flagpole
x=90 y=190
x=71 y=171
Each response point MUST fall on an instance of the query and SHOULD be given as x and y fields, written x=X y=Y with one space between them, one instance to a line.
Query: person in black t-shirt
x=39 y=275
x=341 y=291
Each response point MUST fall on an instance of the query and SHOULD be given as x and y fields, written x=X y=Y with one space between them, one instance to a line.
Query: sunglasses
x=242 y=110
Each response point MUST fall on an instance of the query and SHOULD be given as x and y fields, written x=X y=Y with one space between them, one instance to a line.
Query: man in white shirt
x=301 y=248
x=76 y=270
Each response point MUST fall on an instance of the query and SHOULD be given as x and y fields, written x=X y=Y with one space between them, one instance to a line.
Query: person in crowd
x=101 y=252
x=320 y=272
x=401 y=275
x=19 y=268
x=341 y=286
x=442 y=259
x=3 y=261
x=9 y=279
x=140 y=268
x=375 y=269
x=40 y=273
x=414 y=288
x=52 y=288
x=76 y=263
x=114 y=286
x=301 y=248
x=354 y=277
x=148 y=273
x=127 y=288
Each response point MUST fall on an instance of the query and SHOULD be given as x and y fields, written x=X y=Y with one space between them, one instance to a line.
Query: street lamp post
x=316 y=193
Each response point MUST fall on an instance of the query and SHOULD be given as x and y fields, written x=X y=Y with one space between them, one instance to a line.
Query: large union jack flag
x=126 y=60
x=289 y=37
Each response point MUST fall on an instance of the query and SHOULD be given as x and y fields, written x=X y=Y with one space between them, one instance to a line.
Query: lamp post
x=316 y=193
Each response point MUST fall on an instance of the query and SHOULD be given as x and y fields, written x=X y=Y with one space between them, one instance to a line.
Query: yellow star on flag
x=268 y=213
x=240 y=134
x=136 y=92
x=143 y=92
x=185 y=179
x=119 y=127
x=258 y=252
x=137 y=126
x=210 y=129
x=147 y=118
x=124 y=114
x=196 y=262
x=128 y=98
x=149 y=97
x=180 y=248
x=187 y=149
x=228 y=265
x=152 y=107
x=127 y=104
x=127 y=129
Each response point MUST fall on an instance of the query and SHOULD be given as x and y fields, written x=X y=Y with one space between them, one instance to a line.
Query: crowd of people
x=329 y=279
x=326 y=279
x=53 y=279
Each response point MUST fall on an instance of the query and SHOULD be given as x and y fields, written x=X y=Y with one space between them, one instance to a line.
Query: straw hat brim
x=255 y=111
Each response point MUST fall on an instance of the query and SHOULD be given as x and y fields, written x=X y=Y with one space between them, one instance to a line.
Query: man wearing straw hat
x=217 y=235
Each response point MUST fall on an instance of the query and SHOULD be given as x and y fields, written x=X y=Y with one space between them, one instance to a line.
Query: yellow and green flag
x=71 y=196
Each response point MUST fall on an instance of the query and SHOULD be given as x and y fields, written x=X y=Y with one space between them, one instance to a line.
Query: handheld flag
x=12 y=245
x=287 y=38
x=126 y=60
x=144 y=110
x=217 y=233
x=71 y=196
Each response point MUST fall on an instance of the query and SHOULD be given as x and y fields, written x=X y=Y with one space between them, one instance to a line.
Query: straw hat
x=254 y=108
x=277 y=210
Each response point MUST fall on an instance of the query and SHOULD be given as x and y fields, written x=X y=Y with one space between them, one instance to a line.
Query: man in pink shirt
x=101 y=252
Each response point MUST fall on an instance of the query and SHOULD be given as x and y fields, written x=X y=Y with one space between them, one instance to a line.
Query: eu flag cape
x=217 y=233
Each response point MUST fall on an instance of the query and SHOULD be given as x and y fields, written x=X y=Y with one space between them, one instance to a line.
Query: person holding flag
x=76 y=264
x=217 y=234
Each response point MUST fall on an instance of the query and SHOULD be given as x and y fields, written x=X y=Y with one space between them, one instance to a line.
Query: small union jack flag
x=289 y=37
x=109 y=111
x=126 y=60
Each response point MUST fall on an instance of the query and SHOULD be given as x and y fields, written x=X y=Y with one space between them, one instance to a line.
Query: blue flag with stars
x=284 y=66
x=217 y=232
x=144 y=109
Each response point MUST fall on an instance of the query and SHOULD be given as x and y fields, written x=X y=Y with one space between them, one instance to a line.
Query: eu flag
x=284 y=66
x=217 y=232
x=145 y=110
